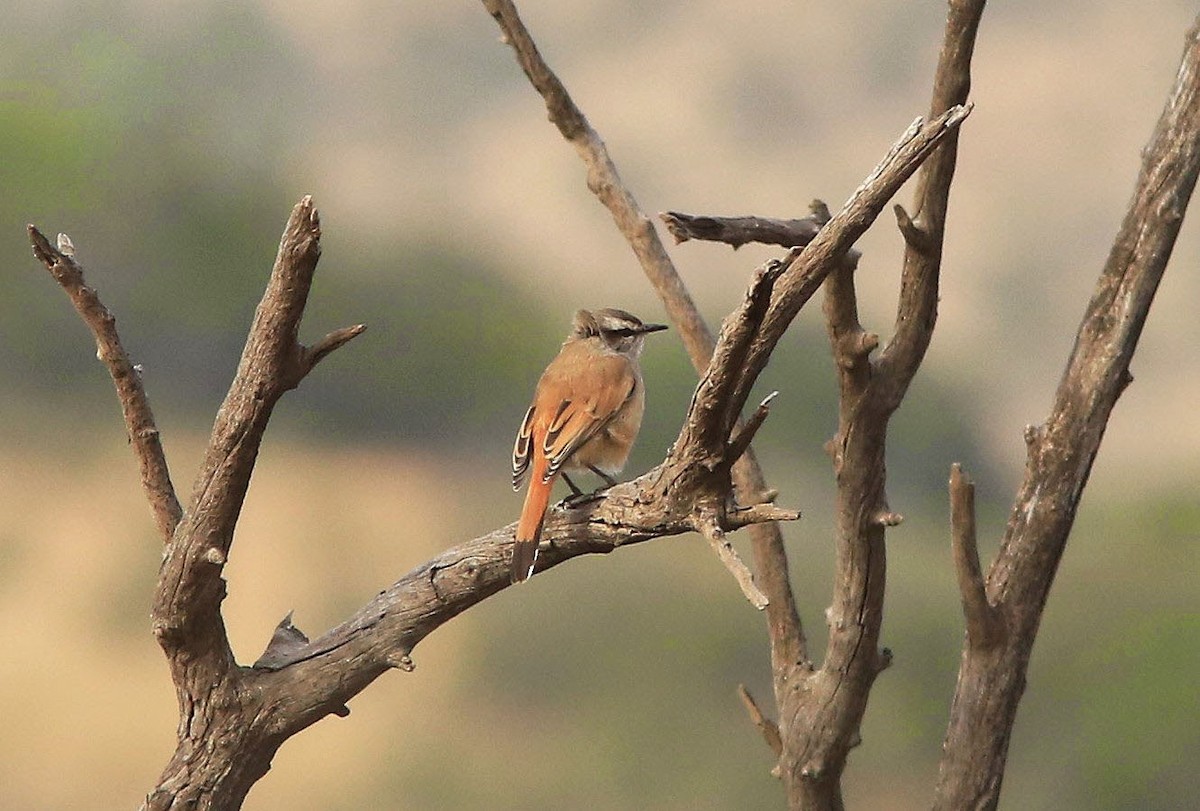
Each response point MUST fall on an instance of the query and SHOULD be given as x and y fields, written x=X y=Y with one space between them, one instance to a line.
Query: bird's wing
x=583 y=412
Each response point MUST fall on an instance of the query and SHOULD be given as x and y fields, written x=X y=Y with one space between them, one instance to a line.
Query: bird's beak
x=652 y=328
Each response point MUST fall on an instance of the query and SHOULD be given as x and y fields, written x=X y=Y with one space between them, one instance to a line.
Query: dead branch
x=737 y=231
x=983 y=624
x=712 y=532
x=1061 y=452
x=768 y=728
x=135 y=405
x=916 y=312
x=239 y=715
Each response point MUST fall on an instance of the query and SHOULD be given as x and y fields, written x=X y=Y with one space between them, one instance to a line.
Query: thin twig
x=728 y=556
x=312 y=355
x=742 y=438
x=135 y=405
x=983 y=623
x=768 y=728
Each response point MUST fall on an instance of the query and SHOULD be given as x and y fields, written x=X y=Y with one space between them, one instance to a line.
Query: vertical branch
x=923 y=233
x=826 y=717
x=983 y=624
x=190 y=589
x=1061 y=451
x=135 y=405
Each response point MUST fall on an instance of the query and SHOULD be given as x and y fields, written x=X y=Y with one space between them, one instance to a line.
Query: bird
x=586 y=413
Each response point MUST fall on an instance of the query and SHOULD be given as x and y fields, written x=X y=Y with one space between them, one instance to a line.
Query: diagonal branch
x=605 y=182
x=135 y=406
x=805 y=273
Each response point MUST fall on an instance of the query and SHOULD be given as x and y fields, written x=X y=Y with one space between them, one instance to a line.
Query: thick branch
x=1061 y=453
x=190 y=589
x=313 y=677
x=135 y=406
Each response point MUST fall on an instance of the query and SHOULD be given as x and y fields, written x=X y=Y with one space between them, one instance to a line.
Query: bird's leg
x=579 y=497
x=608 y=480
x=575 y=491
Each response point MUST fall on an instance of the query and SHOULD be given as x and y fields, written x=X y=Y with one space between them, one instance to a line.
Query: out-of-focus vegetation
x=170 y=142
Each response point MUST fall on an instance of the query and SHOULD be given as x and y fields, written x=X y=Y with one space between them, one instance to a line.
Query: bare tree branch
x=768 y=728
x=135 y=406
x=1061 y=452
x=712 y=532
x=737 y=231
x=219 y=753
x=983 y=624
x=233 y=718
x=805 y=273
x=805 y=770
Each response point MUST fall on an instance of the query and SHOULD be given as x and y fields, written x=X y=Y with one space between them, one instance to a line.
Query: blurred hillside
x=170 y=141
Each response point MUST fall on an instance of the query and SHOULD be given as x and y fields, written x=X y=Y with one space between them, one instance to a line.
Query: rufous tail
x=529 y=528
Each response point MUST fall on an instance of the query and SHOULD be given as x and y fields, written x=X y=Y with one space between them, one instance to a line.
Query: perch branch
x=1061 y=453
x=135 y=405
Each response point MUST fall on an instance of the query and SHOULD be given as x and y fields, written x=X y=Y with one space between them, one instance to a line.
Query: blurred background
x=170 y=140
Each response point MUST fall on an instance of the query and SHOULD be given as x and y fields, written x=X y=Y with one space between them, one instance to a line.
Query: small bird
x=585 y=415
